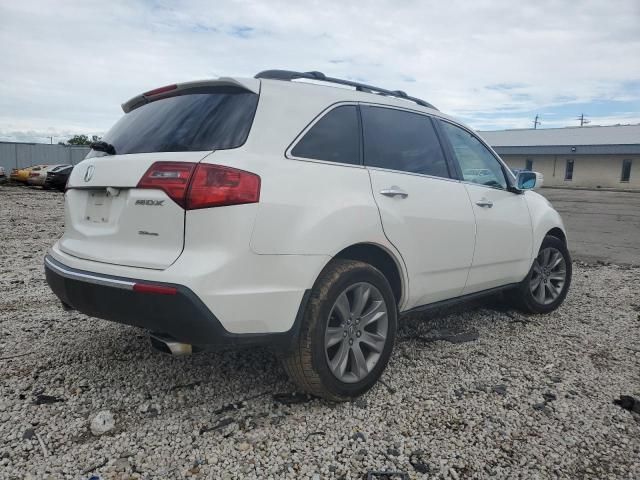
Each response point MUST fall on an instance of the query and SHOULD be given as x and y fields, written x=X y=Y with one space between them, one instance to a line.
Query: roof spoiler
x=250 y=84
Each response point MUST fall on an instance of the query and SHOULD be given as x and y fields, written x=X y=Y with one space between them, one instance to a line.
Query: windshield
x=213 y=118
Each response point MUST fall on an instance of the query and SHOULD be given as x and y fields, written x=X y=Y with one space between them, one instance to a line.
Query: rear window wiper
x=102 y=146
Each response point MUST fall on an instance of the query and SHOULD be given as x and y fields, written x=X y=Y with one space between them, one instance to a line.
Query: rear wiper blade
x=102 y=146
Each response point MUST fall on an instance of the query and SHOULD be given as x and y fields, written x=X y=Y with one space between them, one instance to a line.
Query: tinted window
x=211 y=119
x=334 y=138
x=403 y=141
x=477 y=163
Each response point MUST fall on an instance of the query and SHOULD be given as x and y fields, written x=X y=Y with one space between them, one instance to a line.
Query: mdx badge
x=151 y=203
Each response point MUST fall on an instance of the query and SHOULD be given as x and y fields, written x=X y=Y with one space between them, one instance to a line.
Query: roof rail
x=289 y=75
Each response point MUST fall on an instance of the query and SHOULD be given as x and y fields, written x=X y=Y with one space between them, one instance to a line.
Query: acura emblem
x=88 y=175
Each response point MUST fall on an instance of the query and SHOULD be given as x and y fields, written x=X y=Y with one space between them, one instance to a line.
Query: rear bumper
x=180 y=315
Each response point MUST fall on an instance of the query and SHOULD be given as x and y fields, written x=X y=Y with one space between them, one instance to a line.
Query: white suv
x=300 y=211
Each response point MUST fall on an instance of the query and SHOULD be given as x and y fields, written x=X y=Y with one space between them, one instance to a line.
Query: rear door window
x=333 y=138
x=400 y=140
x=212 y=118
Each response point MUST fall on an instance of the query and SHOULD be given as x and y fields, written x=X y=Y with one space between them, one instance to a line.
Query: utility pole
x=536 y=122
x=583 y=121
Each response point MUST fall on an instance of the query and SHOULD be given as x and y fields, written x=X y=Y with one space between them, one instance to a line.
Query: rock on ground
x=102 y=423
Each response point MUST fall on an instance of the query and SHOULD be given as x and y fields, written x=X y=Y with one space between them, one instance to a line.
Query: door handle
x=394 y=192
x=483 y=202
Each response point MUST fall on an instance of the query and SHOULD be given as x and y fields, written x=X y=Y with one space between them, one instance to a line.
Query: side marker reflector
x=157 y=289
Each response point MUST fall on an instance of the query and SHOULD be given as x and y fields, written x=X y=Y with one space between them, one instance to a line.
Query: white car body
x=250 y=265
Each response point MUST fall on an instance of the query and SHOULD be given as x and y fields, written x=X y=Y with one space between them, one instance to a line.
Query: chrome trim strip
x=84 y=277
x=326 y=162
x=500 y=189
x=413 y=174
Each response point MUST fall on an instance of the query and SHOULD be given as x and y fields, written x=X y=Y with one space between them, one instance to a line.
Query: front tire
x=546 y=286
x=347 y=333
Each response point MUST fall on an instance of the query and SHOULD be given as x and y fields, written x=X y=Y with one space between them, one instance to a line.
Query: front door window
x=477 y=163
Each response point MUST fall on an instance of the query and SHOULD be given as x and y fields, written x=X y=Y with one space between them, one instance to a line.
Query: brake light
x=216 y=186
x=33 y=174
x=202 y=185
x=158 y=91
x=171 y=177
x=157 y=289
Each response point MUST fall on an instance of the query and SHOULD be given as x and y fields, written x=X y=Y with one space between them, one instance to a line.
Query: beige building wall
x=589 y=171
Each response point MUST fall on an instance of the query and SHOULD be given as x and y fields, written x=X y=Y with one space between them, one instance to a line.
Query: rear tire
x=347 y=332
x=547 y=283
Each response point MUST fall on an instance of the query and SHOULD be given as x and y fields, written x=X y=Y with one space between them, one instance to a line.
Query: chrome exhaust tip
x=169 y=345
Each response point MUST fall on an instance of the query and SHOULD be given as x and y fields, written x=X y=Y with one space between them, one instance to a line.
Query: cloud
x=67 y=66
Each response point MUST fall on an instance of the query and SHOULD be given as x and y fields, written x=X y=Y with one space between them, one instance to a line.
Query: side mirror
x=526 y=180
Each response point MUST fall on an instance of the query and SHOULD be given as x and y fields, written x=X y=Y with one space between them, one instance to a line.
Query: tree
x=81 y=140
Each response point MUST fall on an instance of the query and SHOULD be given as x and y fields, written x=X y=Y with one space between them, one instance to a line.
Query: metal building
x=20 y=155
x=587 y=157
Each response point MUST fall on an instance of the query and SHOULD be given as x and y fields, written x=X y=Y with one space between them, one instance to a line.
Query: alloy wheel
x=549 y=275
x=356 y=332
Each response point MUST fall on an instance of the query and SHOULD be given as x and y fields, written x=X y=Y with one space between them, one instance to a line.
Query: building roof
x=573 y=136
x=614 y=139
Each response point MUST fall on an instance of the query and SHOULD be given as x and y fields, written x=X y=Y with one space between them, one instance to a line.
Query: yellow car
x=22 y=174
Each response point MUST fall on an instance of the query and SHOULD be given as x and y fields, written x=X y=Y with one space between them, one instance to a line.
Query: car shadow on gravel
x=113 y=355
x=457 y=323
x=115 y=366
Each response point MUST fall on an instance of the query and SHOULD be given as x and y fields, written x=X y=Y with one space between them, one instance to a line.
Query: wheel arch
x=382 y=259
x=558 y=233
x=545 y=220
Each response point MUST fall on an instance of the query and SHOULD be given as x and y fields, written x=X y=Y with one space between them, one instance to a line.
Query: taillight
x=202 y=185
x=216 y=186
x=34 y=174
x=171 y=177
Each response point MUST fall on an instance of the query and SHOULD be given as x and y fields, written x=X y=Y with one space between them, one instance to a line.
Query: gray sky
x=66 y=66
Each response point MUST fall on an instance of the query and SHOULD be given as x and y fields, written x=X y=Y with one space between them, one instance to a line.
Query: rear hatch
x=126 y=205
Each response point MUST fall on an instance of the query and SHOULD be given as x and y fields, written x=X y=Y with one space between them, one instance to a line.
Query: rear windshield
x=204 y=119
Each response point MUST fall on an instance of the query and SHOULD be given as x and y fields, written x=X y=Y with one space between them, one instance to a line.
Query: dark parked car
x=58 y=179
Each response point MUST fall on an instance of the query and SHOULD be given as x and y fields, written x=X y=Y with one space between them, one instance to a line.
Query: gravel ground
x=531 y=397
